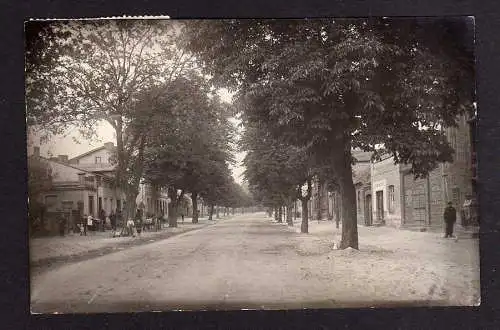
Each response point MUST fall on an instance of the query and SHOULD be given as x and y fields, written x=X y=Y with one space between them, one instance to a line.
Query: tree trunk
x=218 y=210
x=194 y=200
x=173 y=206
x=304 y=226
x=289 y=210
x=337 y=209
x=349 y=215
x=276 y=214
x=211 y=212
x=280 y=214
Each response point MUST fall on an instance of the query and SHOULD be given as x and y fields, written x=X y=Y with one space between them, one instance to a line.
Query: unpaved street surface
x=250 y=262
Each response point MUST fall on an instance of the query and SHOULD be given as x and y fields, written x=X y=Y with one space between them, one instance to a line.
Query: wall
x=384 y=174
x=104 y=153
x=61 y=172
x=458 y=174
x=449 y=182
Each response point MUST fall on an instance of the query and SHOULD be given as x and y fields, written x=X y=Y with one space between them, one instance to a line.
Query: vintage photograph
x=192 y=165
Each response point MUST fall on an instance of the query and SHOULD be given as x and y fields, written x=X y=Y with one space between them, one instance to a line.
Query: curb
x=43 y=264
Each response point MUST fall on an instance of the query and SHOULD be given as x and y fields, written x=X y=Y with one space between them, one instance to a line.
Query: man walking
x=450 y=217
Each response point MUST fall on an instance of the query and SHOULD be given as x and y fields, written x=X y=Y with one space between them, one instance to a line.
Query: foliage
x=330 y=86
x=106 y=67
x=190 y=148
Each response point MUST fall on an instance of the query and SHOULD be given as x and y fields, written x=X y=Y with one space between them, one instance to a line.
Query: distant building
x=154 y=201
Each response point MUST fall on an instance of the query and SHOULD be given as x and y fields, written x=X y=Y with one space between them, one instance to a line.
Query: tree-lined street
x=249 y=261
x=303 y=97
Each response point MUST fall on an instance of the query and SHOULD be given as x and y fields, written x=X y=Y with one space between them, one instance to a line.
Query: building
x=85 y=184
x=102 y=161
x=362 y=183
x=76 y=192
x=153 y=200
x=361 y=180
x=401 y=200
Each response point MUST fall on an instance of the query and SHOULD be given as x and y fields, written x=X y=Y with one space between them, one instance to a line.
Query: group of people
x=137 y=225
x=90 y=223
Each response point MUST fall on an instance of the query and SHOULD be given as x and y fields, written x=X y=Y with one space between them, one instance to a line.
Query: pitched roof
x=74 y=167
x=88 y=153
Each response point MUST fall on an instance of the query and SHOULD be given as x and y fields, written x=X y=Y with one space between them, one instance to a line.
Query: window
x=392 y=199
x=98 y=160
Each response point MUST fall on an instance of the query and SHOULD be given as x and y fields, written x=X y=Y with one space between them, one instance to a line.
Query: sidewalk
x=49 y=251
x=394 y=263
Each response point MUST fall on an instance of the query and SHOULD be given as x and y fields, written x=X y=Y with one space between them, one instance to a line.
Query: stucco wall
x=61 y=172
x=384 y=174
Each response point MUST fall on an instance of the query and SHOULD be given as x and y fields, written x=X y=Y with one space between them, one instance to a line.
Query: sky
x=72 y=143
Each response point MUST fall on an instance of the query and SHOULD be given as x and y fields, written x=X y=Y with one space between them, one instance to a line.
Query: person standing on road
x=112 y=219
x=102 y=219
x=62 y=224
x=90 y=222
x=450 y=217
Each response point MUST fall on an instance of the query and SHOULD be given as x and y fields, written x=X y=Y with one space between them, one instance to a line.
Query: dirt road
x=243 y=262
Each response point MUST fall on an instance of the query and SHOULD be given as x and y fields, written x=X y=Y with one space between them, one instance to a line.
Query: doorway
x=368 y=210
x=380 y=205
x=91 y=205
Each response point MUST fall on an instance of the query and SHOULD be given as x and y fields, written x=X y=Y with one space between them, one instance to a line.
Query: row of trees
x=311 y=91
x=171 y=128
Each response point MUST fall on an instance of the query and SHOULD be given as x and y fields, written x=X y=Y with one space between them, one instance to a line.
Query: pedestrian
x=450 y=217
x=112 y=219
x=62 y=224
x=130 y=227
x=182 y=215
x=102 y=218
x=118 y=218
x=90 y=222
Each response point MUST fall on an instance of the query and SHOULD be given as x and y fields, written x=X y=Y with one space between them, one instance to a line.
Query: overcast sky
x=73 y=144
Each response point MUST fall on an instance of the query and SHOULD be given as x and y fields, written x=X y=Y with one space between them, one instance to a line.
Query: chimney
x=36 y=151
x=62 y=158
x=109 y=145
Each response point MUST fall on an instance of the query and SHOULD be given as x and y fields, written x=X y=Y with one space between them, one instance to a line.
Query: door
x=419 y=201
x=380 y=205
x=91 y=205
x=368 y=210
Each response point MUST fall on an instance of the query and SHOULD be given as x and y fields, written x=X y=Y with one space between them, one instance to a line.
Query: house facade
x=401 y=200
x=153 y=201
x=76 y=192
x=85 y=184
x=388 y=193
x=362 y=184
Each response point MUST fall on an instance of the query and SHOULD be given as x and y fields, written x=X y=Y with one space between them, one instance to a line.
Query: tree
x=190 y=141
x=276 y=171
x=105 y=67
x=330 y=86
x=40 y=178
